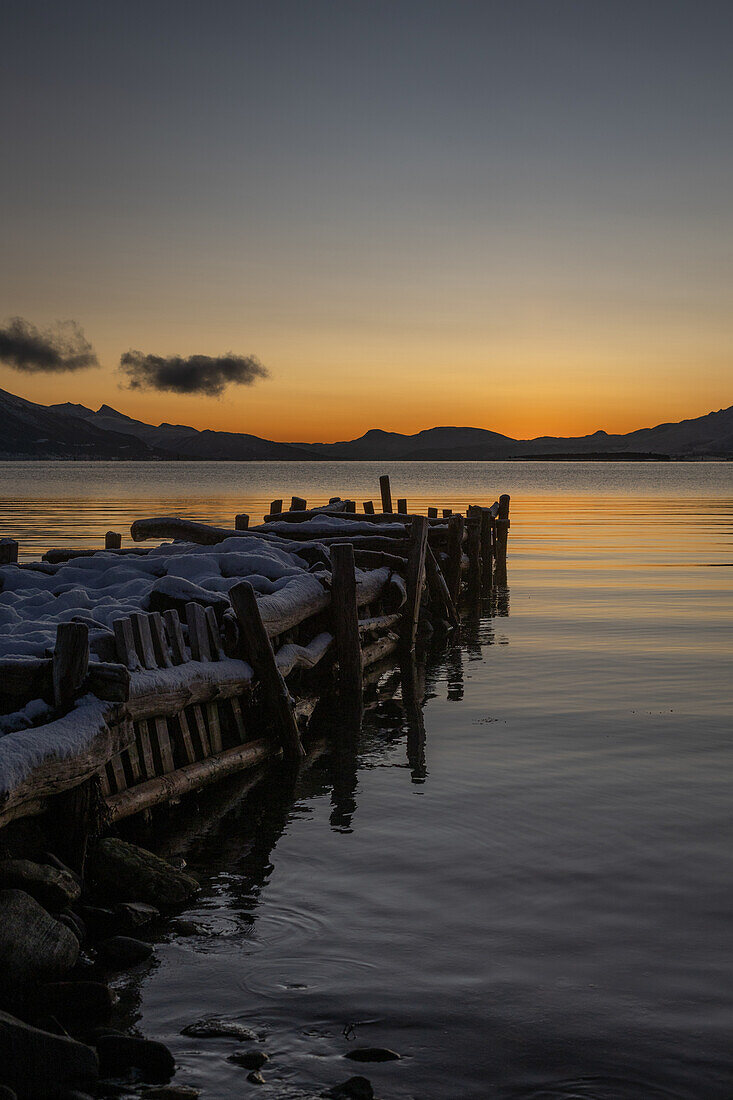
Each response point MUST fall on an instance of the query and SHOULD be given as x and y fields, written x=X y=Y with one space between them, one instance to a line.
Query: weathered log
x=291 y=657
x=380 y=649
x=168 y=527
x=260 y=655
x=27 y=677
x=473 y=551
x=377 y=624
x=375 y=559
x=172 y=787
x=346 y=626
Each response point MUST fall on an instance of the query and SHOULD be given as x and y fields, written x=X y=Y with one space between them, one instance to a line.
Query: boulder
x=37 y=1064
x=74 y=923
x=52 y=887
x=120 y=1054
x=120 y=871
x=33 y=946
x=122 y=951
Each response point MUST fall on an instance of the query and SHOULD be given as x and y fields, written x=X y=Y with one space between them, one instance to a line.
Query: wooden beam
x=346 y=626
x=258 y=650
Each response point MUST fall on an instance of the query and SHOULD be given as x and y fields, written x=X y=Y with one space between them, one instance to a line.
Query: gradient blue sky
x=517 y=215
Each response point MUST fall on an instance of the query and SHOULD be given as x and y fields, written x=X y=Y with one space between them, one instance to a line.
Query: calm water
x=525 y=886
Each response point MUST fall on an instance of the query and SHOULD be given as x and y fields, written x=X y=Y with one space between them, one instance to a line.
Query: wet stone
x=355 y=1088
x=136 y=914
x=36 y=1063
x=183 y=927
x=33 y=946
x=122 y=951
x=217 y=1027
x=51 y=887
x=88 y=1003
x=256 y=1078
x=372 y=1054
x=249 y=1059
x=124 y=872
x=171 y=1092
x=119 y=1054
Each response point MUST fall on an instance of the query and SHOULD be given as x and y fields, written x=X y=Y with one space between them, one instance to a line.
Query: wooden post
x=113 y=540
x=415 y=579
x=473 y=549
x=298 y=504
x=455 y=553
x=8 y=551
x=447 y=512
x=368 y=508
x=386 y=492
x=346 y=626
x=439 y=589
x=350 y=506
x=502 y=532
x=402 y=506
x=72 y=816
x=241 y=521
x=432 y=513
x=258 y=651
x=487 y=552
x=70 y=661
x=276 y=507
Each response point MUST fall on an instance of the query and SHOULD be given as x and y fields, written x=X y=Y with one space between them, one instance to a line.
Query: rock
x=216 y=1027
x=86 y=1003
x=184 y=927
x=118 y=1054
x=372 y=1054
x=355 y=1088
x=37 y=1064
x=54 y=889
x=49 y=857
x=135 y=914
x=123 y=872
x=249 y=1059
x=171 y=1092
x=100 y=922
x=256 y=1078
x=122 y=951
x=33 y=946
x=74 y=923
x=74 y=1094
x=7 y=1094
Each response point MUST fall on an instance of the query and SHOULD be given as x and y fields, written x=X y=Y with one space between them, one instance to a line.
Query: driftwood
x=291 y=657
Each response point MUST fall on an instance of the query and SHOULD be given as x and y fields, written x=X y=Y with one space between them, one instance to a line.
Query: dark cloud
x=196 y=374
x=63 y=347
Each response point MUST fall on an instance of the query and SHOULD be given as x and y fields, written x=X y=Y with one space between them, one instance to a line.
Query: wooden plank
x=70 y=661
x=125 y=643
x=104 y=783
x=345 y=616
x=143 y=639
x=161 y=648
x=238 y=718
x=259 y=653
x=215 y=642
x=161 y=737
x=198 y=632
x=186 y=739
x=179 y=653
x=487 y=552
x=118 y=772
x=212 y=720
x=386 y=492
x=415 y=579
x=200 y=731
x=145 y=749
x=241 y=521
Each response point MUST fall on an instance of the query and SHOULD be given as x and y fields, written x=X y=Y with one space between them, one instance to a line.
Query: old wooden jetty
x=185 y=690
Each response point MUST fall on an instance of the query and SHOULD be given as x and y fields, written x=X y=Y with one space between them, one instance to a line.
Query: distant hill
x=69 y=430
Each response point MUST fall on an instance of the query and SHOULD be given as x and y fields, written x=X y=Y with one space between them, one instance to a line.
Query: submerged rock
x=36 y=1063
x=122 y=951
x=135 y=914
x=256 y=1078
x=123 y=872
x=355 y=1088
x=249 y=1059
x=118 y=1054
x=217 y=1027
x=372 y=1054
x=50 y=886
x=171 y=1092
x=33 y=946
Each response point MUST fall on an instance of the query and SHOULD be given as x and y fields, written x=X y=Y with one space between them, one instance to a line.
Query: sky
x=511 y=214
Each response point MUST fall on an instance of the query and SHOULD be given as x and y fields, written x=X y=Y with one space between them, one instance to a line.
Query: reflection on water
x=518 y=872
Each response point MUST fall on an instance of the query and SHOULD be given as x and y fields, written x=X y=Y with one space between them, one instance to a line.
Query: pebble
x=355 y=1088
x=120 y=1053
x=217 y=1027
x=249 y=1059
x=123 y=951
x=372 y=1054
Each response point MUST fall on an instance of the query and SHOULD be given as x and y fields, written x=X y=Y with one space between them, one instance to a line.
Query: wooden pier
x=196 y=692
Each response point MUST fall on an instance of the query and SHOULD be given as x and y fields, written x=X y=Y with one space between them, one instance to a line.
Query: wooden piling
x=487 y=549
x=473 y=550
x=415 y=579
x=259 y=653
x=70 y=661
x=447 y=512
x=439 y=589
x=113 y=540
x=8 y=551
x=432 y=513
x=241 y=521
x=276 y=506
x=368 y=508
x=298 y=504
x=402 y=506
x=455 y=554
x=346 y=626
x=386 y=492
